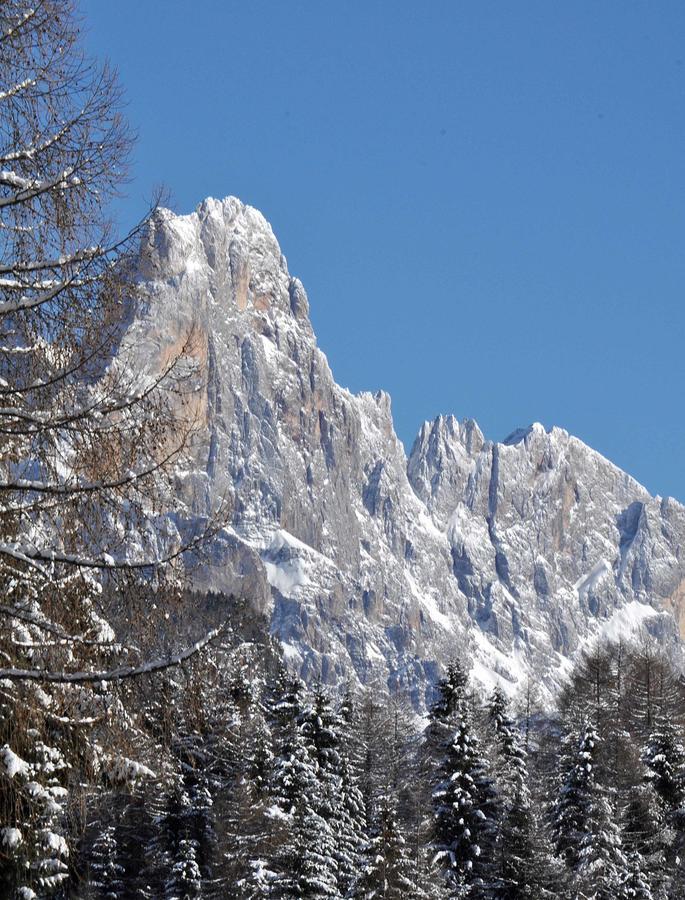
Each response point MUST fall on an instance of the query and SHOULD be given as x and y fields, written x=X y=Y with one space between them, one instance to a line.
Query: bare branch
x=113 y=674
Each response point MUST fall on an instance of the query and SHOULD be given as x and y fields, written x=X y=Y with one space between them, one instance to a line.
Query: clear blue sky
x=484 y=200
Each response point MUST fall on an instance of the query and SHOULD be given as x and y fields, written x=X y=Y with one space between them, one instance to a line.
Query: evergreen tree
x=185 y=879
x=447 y=709
x=302 y=787
x=106 y=880
x=352 y=811
x=250 y=820
x=586 y=835
x=664 y=760
x=464 y=800
x=315 y=867
x=636 y=885
x=388 y=868
x=520 y=862
x=642 y=830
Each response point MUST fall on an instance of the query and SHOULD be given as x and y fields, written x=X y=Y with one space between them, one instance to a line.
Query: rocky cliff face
x=370 y=565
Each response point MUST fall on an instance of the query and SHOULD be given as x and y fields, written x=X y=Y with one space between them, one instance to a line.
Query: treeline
x=229 y=778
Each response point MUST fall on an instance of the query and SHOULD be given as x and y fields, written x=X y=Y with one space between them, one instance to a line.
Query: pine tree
x=352 y=810
x=464 y=800
x=642 y=830
x=249 y=835
x=446 y=711
x=185 y=879
x=520 y=862
x=301 y=786
x=106 y=877
x=586 y=835
x=315 y=868
x=388 y=868
x=305 y=864
x=636 y=884
x=664 y=760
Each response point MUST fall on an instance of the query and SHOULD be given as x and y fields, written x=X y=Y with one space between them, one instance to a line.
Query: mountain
x=512 y=554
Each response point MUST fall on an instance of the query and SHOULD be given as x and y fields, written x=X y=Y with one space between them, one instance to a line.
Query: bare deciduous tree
x=87 y=436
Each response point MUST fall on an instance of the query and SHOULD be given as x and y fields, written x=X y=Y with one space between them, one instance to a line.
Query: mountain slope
x=512 y=554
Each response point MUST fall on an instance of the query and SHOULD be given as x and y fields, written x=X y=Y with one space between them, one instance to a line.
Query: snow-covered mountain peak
x=512 y=554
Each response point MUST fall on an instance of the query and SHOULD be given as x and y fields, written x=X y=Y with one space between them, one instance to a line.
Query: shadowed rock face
x=371 y=565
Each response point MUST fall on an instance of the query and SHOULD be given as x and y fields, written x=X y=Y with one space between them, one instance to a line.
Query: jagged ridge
x=368 y=563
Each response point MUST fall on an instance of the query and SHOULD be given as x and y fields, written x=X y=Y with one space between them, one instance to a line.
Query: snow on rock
x=368 y=563
x=628 y=620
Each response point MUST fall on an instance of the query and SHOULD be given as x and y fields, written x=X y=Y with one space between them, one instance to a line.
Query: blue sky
x=484 y=200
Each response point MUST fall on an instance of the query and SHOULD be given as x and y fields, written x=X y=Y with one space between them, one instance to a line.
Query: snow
x=14 y=765
x=55 y=843
x=123 y=769
x=283 y=539
x=286 y=576
x=290 y=652
x=429 y=604
x=587 y=582
x=373 y=652
x=627 y=620
x=290 y=563
x=10 y=837
x=493 y=668
x=275 y=812
x=270 y=349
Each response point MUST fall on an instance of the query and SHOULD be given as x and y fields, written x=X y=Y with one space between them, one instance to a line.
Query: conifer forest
x=227 y=777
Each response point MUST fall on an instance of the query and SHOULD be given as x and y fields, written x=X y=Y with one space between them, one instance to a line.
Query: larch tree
x=88 y=436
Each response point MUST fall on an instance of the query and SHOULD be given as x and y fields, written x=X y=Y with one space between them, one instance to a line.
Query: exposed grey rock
x=512 y=554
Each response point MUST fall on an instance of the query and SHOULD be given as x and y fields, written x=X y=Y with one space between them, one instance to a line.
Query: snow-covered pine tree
x=253 y=826
x=35 y=837
x=293 y=768
x=184 y=881
x=636 y=884
x=643 y=838
x=302 y=803
x=171 y=869
x=387 y=865
x=585 y=832
x=352 y=810
x=341 y=802
x=520 y=858
x=106 y=874
x=315 y=869
x=305 y=864
x=664 y=760
x=446 y=711
x=465 y=803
